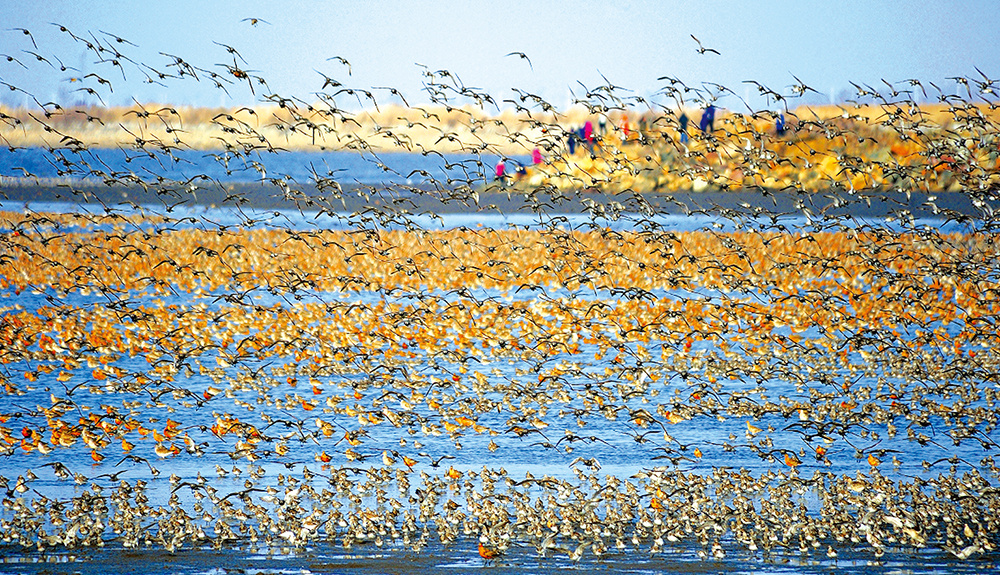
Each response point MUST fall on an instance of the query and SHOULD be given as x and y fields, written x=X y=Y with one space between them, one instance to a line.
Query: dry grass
x=933 y=147
x=319 y=127
x=386 y=129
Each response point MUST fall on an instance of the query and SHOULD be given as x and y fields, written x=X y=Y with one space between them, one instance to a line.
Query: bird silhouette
x=745 y=338
x=255 y=21
x=522 y=56
x=701 y=49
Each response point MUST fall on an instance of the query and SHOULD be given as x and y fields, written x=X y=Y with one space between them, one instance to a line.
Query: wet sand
x=456 y=558
x=508 y=200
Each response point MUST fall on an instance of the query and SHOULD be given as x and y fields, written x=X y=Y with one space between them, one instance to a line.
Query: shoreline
x=507 y=200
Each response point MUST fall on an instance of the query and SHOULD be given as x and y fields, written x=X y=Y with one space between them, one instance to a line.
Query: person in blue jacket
x=707 y=119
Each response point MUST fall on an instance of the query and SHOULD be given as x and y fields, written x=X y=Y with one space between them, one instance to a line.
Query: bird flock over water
x=785 y=378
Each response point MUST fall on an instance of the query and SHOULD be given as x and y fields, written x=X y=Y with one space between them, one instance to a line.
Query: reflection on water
x=458 y=558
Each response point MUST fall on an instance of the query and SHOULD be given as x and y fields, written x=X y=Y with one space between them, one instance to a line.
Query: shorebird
x=701 y=49
x=522 y=56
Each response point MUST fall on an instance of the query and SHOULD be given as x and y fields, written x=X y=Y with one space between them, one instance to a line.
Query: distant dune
x=387 y=129
x=880 y=148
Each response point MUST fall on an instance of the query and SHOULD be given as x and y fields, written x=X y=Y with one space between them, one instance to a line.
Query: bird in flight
x=524 y=57
x=702 y=49
x=28 y=34
x=255 y=21
x=343 y=61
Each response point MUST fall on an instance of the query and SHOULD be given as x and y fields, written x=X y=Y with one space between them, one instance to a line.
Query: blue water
x=197 y=166
x=624 y=450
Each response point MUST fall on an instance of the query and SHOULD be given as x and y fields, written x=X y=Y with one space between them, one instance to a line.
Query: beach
x=494 y=199
x=617 y=336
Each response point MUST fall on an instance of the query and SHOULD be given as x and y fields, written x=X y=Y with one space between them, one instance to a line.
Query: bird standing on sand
x=487 y=553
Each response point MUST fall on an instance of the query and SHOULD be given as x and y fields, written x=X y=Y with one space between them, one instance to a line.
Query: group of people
x=587 y=136
x=520 y=170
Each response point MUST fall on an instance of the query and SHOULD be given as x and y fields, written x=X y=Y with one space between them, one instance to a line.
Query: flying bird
x=27 y=33
x=523 y=56
x=13 y=59
x=343 y=61
x=702 y=49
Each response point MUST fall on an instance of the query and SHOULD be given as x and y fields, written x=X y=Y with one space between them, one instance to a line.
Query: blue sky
x=825 y=44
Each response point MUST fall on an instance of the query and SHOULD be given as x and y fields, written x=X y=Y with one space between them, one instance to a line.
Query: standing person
x=588 y=132
x=707 y=119
x=684 y=128
x=536 y=156
x=571 y=141
x=779 y=125
x=501 y=171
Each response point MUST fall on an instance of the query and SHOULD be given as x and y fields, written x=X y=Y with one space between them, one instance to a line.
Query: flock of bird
x=788 y=384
